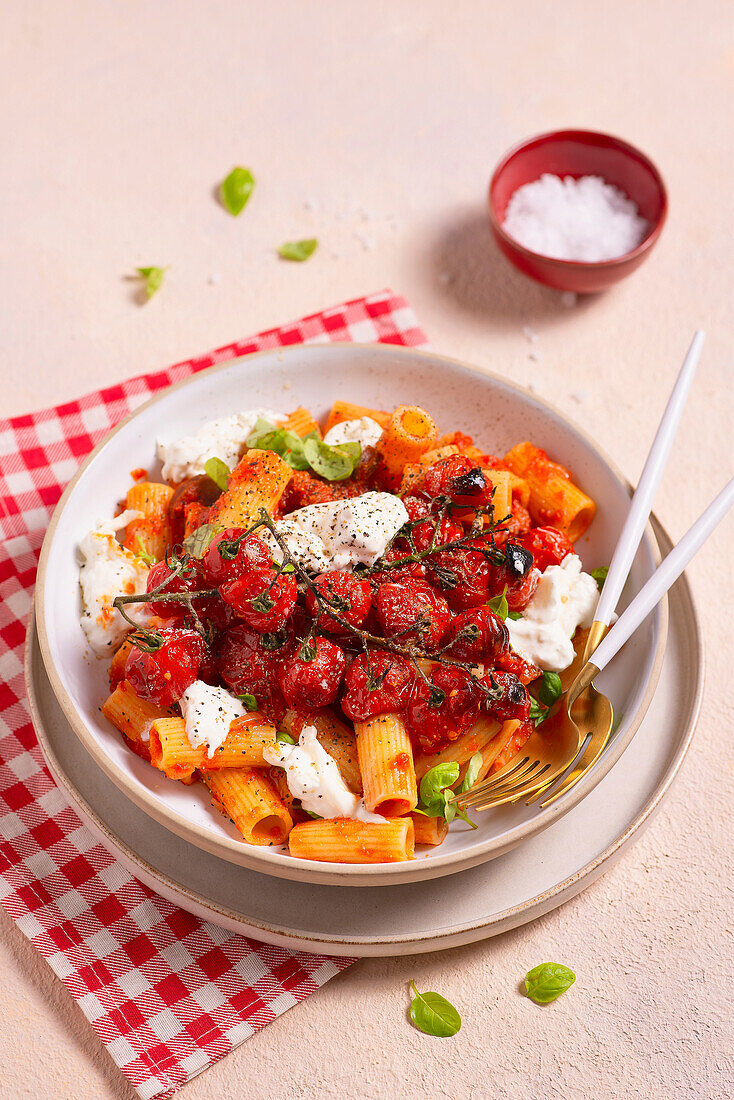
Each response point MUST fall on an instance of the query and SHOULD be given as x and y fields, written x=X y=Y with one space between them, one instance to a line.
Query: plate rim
x=263 y=859
x=374 y=946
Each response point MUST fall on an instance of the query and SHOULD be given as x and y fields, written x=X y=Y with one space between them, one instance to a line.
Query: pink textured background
x=375 y=127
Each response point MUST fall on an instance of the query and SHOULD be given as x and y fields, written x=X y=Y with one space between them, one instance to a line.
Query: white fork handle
x=664 y=577
x=641 y=505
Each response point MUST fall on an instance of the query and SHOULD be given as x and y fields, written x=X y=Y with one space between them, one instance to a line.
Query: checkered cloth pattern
x=168 y=993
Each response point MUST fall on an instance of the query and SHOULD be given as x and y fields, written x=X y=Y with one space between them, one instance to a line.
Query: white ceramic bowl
x=497 y=413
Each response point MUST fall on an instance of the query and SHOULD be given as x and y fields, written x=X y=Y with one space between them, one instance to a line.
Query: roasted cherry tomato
x=350 y=596
x=509 y=661
x=514 y=702
x=227 y=558
x=439 y=711
x=477 y=635
x=378 y=685
x=460 y=479
x=312 y=681
x=162 y=675
x=548 y=546
x=416 y=507
x=412 y=569
x=248 y=662
x=263 y=602
x=448 y=531
x=462 y=576
x=186 y=581
x=413 y=610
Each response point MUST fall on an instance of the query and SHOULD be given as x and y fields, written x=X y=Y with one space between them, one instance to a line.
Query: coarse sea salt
x=586 y=219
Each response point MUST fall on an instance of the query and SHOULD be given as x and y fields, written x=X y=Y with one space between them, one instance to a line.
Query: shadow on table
x=472 y=272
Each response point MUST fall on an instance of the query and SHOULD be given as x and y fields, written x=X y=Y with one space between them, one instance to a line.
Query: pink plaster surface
x=375 y=127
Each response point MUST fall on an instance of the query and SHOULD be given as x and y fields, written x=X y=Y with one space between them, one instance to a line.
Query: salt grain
x=587 y=219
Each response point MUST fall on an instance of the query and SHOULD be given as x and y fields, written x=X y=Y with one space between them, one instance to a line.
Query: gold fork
x=596 y=716
x=586 y=712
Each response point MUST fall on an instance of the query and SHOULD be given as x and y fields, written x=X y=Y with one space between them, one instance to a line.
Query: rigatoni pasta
x=349 y=841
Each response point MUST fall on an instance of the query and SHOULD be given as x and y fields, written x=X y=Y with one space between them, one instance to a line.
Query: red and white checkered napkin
x=167 y=993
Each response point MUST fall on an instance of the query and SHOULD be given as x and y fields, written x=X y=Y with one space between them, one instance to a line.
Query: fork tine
x=586 y=761
x=500 y=778
x=510 y=794
x=497 y=795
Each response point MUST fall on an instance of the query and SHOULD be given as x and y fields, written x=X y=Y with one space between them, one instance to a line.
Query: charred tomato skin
x=514 y=702
x=477 y=635
x=247 y=667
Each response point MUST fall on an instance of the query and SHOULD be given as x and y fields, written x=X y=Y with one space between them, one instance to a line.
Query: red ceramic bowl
x=578 y=153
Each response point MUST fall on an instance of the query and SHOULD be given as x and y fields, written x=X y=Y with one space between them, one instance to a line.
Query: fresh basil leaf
x=550 y=688
x=331 y=463
x=298 y=250
x=218 y=471
x=153 y=278
x=471 y=773
x=538 y=713
x=498 y=604
x=142 y=553
x=284 y=738
x=600 y=575
x=433 y=1014
x=262 y=427
x=236 y=189
x=514 y=615
x=546 y=982
x=248 y=701
x=197 y=543
x=316 y=817
x=436 y=779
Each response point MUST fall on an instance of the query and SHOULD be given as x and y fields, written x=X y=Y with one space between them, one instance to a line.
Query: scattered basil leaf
x=236 y=189
x=550 y=688
x=316 y=817
x=289 y=567
x=600 y=575
x=197 y=543
x=538 y=713
x=514 y=615
x=298 y=250
x=332 y=463
x=498 y=604
x=153 y=278
x=433 y=1014
x=249 y=701
x=217 y=471
x=546 y=982
x=471 y=773
x=142 y=553
x=284 y=738
x=435 y=781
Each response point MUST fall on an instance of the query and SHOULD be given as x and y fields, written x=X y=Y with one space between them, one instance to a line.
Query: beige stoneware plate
x=485 y=405
x=515 y=888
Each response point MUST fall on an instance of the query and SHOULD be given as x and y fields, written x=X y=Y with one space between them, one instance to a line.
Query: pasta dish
x=337 y=628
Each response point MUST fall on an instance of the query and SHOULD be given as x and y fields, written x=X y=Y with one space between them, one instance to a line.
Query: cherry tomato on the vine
x=312 y=677
x=547 y=545
x=477 y=635
x=439 y=711
x=162 y=675
x=413 y=611
x=265 y=603
x=351 y=596
x=514 y=701
x=226 y=558
x=248 y=664
x=376 y=685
